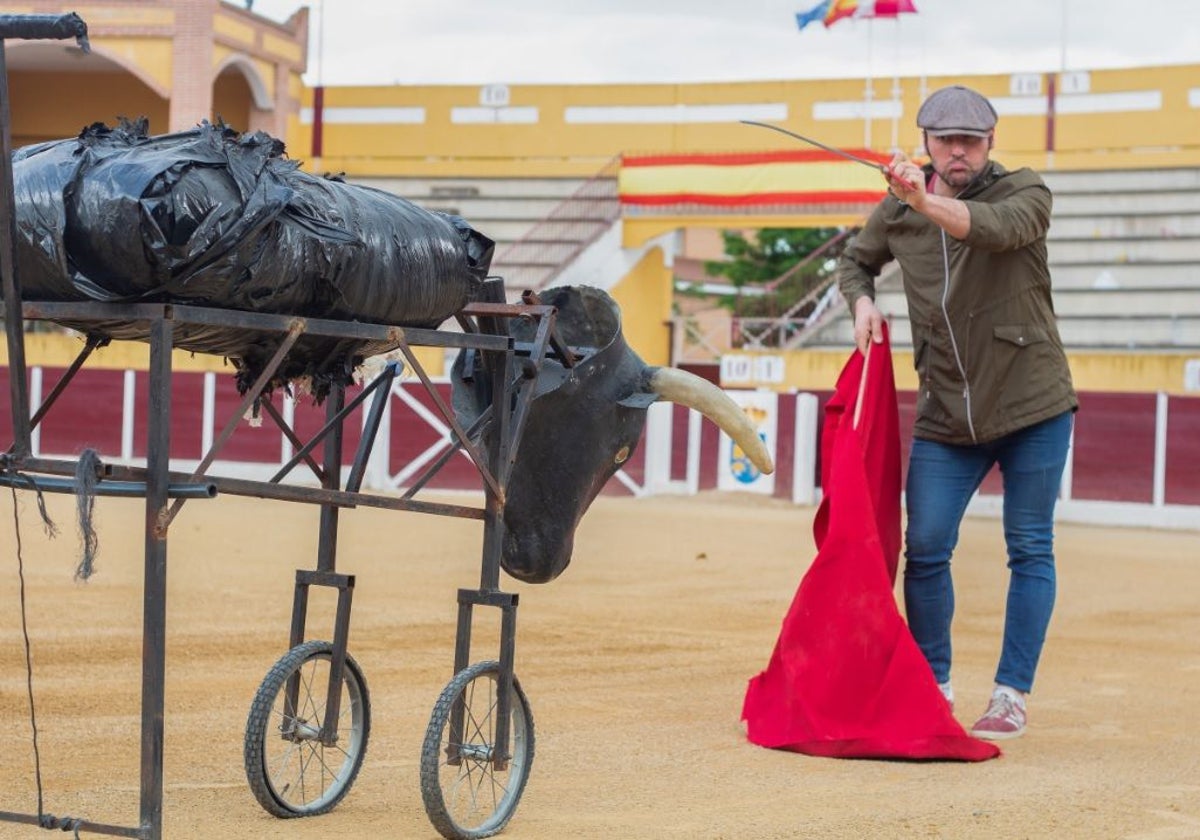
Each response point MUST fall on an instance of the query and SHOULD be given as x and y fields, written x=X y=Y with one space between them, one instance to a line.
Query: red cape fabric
x=846 y=678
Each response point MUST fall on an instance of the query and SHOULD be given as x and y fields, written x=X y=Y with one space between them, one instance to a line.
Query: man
x=970 y=238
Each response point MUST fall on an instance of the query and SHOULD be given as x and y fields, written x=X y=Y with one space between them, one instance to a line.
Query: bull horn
x=679 y=386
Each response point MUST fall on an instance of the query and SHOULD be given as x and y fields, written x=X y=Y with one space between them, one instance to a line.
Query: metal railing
x=554 y=242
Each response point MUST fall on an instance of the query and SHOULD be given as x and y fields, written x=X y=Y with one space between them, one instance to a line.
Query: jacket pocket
x=1021 y=335
x=1022 y=371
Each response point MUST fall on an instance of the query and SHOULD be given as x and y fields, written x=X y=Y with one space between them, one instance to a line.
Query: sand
x=635 y=663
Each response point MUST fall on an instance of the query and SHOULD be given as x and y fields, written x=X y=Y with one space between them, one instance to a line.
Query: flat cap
x=957 y=110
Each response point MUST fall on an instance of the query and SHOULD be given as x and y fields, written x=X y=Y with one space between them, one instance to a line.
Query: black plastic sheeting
x=210 y=217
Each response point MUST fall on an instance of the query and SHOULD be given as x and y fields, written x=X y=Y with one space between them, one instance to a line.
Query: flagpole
x=869 y=94
x=896 y=92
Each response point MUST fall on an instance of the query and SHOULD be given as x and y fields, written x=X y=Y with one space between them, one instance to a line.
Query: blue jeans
x=941 y=481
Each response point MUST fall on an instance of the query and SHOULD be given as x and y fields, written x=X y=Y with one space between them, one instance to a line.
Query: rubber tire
x=522 y=737
x=258 y=728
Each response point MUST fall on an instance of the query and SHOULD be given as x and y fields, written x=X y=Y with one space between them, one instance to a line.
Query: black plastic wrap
x=209 y=217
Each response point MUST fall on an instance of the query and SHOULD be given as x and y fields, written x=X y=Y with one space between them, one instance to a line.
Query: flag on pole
x=884 y=8
x=839 y=9
x=813 y=15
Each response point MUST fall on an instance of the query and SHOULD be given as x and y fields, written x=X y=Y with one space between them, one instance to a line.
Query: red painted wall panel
x=1114 y=447
x=1183 y=451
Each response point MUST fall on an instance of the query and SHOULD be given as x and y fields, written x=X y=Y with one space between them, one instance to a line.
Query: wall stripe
x=675 y=113
x=366 y=116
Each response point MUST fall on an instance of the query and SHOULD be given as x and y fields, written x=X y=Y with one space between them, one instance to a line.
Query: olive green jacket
x=989 y=358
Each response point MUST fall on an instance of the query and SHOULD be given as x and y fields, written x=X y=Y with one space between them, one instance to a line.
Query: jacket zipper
x=962 y=369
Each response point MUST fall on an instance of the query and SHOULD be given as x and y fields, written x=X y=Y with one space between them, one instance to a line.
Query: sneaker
x=1004 y=718
x=947 y=692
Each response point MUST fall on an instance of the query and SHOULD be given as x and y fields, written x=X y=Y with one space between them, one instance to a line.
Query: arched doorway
x=56 y=90
x=240 y=97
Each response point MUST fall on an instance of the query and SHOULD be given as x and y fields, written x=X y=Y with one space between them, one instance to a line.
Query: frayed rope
x=87 y=476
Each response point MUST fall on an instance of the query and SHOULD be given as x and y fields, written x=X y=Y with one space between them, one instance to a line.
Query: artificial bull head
x=583 y=424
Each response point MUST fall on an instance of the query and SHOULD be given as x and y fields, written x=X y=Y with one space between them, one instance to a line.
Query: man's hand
x=906 y=181
x=868 y=323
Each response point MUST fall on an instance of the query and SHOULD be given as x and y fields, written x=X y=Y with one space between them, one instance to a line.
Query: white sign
x=734 y=470
x=1076 y=81
x=1025 y=84
x=745 y=369
x=1191 y=375
x=494 y=96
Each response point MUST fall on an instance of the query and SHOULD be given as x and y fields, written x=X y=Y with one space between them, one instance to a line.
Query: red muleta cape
x=846 y=678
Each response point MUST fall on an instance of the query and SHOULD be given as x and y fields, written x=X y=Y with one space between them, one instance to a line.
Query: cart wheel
x=291 y=773
x=466 y=797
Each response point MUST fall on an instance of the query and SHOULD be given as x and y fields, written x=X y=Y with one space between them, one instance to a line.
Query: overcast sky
x=384 y=42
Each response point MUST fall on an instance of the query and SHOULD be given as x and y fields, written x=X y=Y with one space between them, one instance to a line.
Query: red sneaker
x=1004 y=718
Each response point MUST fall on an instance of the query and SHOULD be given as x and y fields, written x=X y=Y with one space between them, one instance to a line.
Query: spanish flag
x=751 y=179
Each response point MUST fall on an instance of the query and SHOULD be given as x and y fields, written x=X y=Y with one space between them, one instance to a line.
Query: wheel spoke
x=465 y=796
x=291 y=771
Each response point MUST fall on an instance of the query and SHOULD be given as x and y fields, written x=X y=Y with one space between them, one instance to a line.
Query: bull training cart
x=309 y=722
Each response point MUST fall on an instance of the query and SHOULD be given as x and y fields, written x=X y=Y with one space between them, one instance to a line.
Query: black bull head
x=583 y=423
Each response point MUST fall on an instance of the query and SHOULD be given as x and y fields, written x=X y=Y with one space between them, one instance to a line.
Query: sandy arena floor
x=635 y=663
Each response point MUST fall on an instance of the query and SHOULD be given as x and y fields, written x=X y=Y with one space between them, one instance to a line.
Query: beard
x=959 y=174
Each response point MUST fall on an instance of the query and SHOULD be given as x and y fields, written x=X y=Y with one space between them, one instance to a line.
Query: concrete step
x=477 y=211
x=510 y=230
x=539 y=253
x=1127 y=250
x=456 y=189
x=1122 y=180
x=1165 y=225
x=1124 y=275
x=1116 y=203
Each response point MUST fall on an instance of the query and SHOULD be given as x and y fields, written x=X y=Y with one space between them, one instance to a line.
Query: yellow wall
x=52 y=110
x=555 y=147
x=644 y=296
x=817 y=370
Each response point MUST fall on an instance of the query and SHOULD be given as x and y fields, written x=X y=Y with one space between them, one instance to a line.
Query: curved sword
x=878 y=167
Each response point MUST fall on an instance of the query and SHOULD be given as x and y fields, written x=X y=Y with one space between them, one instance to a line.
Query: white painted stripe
x=127 y=414
x=366 y=116
x=1108 y=103
x=1020 y=106
x=481 y=114
x=1194 y=97
x=675 y=113
x=1159 y=497
x=1079 y=103
x=855 y=109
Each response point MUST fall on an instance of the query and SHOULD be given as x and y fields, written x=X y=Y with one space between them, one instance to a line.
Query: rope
x=46 y=821
x=51 y=822
x=87 y=476
x=37 y=758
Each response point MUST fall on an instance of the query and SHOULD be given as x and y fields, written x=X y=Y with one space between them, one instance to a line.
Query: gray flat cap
x=957 y=110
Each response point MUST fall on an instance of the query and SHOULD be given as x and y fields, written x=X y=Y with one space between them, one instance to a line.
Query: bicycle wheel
x=291 y=773
x=465 y=796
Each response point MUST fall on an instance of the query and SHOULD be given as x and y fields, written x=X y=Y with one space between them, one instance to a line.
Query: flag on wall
x=798 y=177
x=813 y=15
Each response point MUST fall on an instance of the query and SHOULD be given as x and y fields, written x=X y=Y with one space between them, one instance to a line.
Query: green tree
x=756 y=261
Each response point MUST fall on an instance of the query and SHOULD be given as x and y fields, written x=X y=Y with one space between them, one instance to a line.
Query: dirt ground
x=635 y=663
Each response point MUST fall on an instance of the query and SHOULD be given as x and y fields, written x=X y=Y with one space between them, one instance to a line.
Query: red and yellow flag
x=748 y=179
x=839 y=9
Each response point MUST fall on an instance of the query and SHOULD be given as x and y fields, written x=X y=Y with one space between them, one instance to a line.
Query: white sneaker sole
x=988 y=735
